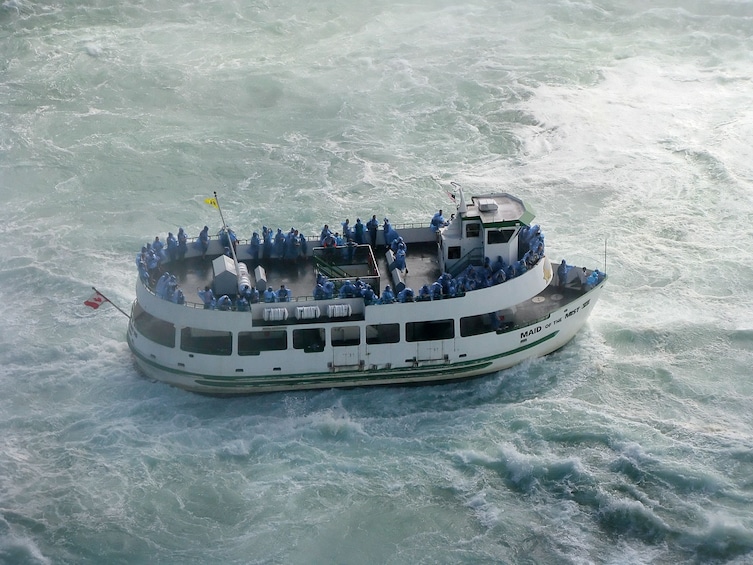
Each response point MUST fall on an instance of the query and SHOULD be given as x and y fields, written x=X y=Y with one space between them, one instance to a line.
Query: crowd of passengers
x=293 y=245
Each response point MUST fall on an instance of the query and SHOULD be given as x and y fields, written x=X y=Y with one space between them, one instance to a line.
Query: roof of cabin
x=500 y=209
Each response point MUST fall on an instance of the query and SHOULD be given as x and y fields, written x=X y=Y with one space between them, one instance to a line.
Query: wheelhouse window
x=499 y=236
x=430 y=330
x=382 y=333
x=453 y=252
x=208 y=342
x=309 y=339
x=253 y=343
x=152 y=328
x=346 y=335
x=473 y=230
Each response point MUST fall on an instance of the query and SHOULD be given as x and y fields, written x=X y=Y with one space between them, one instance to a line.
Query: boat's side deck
x=544 y=303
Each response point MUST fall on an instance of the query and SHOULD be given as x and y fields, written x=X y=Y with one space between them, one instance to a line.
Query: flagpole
x=229 y=240
x=118 y=308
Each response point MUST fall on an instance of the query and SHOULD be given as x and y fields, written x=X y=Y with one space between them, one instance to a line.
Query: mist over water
x=629 y=124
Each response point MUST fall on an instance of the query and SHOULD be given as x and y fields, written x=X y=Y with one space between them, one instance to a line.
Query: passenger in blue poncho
x=269 y=295
x=390 y=234
x=252 y=295
x=283 y=295
x=296 y=245
x=172 y=286
x=224 y=303
x=400 y=261
x=160 y=289
x=254 y=247
x=367 y=293
x=324 y=235
x=242 y=305
x=593 y=279
x=329 y=290
x=172 y=246
x=373 y=225
x=346 y=229
x=388 y=297
x=562 y=273
x=291 y=246
x=143 y=273
x=203 y=241
x=348 y=290
x=158 y=248
x=279 y=243
x=405 y=295
x=302 y=245
x=207 y=297
x=182 y=243
x=319 y=292
x=268 y=239
x=438 y=222
x=498 y=264
x=178 y=297
x=358 y=232
x=436 y=291
x=228 y=237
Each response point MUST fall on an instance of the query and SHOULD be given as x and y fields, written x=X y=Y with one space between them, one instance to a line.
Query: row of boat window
x=212 y=342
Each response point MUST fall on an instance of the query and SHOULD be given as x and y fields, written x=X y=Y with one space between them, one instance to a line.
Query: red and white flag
x=96 y=300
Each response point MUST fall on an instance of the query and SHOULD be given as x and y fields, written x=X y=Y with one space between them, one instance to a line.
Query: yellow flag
x=212 y=202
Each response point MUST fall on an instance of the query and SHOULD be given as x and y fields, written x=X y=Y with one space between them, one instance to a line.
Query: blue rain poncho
x=388 y=297
x=358 y=232
x=269 y=295
x=224 y=303
x=172 y=246
x=405 y=295
x=438 y=222
x=348 y=290
x=400 y=260
x=372 y=226
x=203 y=242
x=283 y=295
x=207 y=297
x=182 y=243
x=160 y=289
x=254 y=246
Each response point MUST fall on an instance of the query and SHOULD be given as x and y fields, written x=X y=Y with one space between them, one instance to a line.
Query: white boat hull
x=458 y=358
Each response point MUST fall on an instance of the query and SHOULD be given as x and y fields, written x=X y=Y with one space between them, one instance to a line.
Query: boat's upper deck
x=299 y=276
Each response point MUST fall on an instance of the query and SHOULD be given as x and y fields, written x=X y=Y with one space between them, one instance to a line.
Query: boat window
x=152 y=328
x=309 y=339
x=430 y=330
x=453 y=252
x=499 y=236
x=209 y=342
x=383 y=333
x=473 y=230
x=253 y=343
x=476 y=325
x=346 y=335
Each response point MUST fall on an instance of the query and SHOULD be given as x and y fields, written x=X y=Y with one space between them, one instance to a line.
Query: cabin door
x=345 y=356
x=430 y=350
x=346 y=343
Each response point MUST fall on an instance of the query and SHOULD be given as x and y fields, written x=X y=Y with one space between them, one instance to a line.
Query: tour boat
x=459 y=297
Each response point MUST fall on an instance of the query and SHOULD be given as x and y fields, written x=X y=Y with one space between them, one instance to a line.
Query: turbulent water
x=624 y=122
